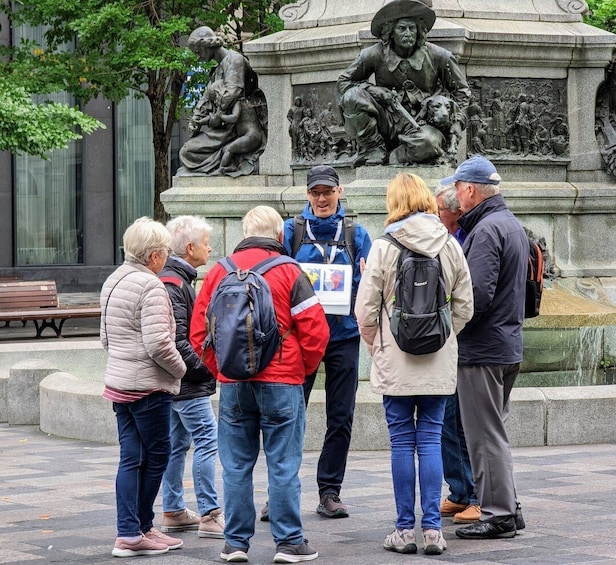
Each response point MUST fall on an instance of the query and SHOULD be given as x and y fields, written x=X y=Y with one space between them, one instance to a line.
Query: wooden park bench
x=38 y=301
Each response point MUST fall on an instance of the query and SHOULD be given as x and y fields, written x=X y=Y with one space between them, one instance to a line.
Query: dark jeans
x=456 y=462
x=143 y=433
x=341 y=376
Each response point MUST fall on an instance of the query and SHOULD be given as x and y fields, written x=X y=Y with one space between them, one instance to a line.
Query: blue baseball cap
x=477 y=169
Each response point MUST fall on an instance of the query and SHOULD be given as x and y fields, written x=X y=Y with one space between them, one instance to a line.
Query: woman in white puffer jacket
x=143 y=371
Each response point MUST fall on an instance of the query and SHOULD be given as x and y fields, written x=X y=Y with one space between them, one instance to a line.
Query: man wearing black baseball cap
x=323 y=234
x=490 y=345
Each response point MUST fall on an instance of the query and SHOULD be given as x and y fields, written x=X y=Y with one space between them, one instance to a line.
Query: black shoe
x=488 y=530
x=265 y=512
x=520 y=524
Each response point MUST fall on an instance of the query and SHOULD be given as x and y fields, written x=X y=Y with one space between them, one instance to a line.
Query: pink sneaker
x=143 y=546
x=158 y=537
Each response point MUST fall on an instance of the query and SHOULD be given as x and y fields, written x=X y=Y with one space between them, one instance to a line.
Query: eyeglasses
x=327 y=193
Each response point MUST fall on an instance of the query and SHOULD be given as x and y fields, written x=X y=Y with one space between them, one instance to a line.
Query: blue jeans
x=278 y=411
x=422 y=433
x=456 y=461
x=192 y=420
x=341 y=362
x=143 y=433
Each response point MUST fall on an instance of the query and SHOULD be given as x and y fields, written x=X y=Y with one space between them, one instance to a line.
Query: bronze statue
x=386 y=118
x=229 y=124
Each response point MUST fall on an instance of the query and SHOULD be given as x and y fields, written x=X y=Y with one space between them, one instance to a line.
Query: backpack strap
x=298 y=234
x=271 y=262
x=349 y=238
x=228 y=264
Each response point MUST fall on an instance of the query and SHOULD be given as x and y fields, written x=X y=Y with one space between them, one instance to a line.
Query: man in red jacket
x=272 y=402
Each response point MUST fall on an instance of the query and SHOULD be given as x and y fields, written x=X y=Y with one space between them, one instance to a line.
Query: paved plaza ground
x=57 y=505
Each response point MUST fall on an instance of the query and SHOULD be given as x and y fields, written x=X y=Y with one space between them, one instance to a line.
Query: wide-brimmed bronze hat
x=398 y=9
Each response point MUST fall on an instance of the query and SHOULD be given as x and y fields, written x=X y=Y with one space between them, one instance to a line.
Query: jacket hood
x=420 y=232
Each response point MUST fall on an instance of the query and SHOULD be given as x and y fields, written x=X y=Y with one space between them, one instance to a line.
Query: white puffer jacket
x=138 y=332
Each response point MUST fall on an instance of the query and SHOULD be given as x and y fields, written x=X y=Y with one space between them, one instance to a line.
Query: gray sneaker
x=294 y=553
x=233 y=554
x=402 y=541
x=331 y=506
x=434 y=542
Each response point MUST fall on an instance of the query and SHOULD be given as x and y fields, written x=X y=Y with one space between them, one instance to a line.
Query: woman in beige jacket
x=143 y=371
x=414 y=387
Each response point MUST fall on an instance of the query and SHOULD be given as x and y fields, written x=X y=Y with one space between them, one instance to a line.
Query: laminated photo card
x=332 y=284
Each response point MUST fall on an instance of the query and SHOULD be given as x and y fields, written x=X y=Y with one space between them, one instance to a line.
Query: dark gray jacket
x=178 y=277
x=496 y=250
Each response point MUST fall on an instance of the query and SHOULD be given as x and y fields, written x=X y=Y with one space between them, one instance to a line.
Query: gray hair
x=142 y=238
x=263 y=221
x=185 y=230
x=486 y=190
x=450 y=196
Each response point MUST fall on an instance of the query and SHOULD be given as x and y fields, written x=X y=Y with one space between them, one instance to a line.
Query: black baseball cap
x=322 y=174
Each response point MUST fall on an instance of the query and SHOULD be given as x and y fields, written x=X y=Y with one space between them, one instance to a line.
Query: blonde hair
x=263 y=221
x=407 y=194
x=185 y=230
x=142 y=238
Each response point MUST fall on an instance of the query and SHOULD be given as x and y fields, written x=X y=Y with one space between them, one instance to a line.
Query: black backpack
x=421 y=316
x=534 y=280
x=243 y=329
x=299 y=237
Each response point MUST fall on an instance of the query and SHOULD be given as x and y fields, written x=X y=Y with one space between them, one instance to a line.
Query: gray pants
x=483 y=392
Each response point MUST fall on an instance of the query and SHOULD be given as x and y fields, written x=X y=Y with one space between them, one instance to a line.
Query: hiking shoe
x=449 y=508
x=233 y=554
x=180 y=521
x=212 y=525
x=402 y=541
x=143 y=546
x=156 y=535
x=471 y=514
x=265 y=512
x=520 y=524
x=294 y=553
x=434 y=542
x=332 y=507
x=488 y=530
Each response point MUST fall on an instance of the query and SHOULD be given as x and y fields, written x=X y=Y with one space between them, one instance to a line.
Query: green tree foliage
x=603 y=14
x=36 y=129
x=115 y=47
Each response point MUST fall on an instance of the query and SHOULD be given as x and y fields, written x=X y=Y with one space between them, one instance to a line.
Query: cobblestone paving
x=57 y=505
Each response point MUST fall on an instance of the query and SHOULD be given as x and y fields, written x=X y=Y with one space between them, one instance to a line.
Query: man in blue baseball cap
x=477 y=169
x=490 y=345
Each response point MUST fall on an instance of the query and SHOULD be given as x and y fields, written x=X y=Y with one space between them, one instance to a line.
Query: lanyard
x=332 y=252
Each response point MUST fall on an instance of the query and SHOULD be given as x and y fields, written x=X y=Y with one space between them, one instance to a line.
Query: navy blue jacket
x=178 y=277
x=496 y=250
x=340 y=327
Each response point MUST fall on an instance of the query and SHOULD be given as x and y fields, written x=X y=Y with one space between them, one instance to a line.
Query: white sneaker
x=434 y=542
x=402 y=541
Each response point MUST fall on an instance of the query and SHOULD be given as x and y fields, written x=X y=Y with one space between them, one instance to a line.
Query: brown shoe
x=472 y=513
x=449 y=508
x=212 y=525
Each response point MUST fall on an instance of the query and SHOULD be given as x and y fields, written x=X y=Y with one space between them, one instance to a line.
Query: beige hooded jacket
x=394 y=372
